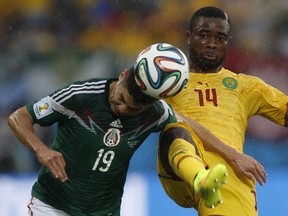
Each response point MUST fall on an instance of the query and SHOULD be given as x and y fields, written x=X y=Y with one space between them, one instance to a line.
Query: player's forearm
x=22 y=125
x=242 y=164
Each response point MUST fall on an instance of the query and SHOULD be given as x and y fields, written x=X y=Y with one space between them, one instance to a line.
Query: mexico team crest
x=112 y=137
x=230 y=83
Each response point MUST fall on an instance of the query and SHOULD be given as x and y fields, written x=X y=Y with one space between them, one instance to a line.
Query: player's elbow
x=12 y=120
x=19 y=117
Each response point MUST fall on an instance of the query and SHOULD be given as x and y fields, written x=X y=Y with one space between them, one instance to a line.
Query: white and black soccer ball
x=161 y=70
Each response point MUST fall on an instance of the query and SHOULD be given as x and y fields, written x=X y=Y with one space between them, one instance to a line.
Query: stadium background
x=45 y=44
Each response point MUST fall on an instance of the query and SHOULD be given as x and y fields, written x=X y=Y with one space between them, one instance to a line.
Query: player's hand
x=245 y=165
x=54 y=161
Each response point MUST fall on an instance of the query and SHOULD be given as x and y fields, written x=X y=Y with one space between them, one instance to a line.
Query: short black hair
x=208 y=11
x=135 y=91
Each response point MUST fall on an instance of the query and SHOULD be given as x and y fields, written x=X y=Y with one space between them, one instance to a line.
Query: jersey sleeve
x=65 y=102
x=58 y=106
x=267 y=101
x=46 y=112
x=168 y=115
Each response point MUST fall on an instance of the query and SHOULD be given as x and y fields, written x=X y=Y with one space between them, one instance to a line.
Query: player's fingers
x=63 y=162
x=258 y=174
x=57 y=168
x=258 y=171
x=250 y=176
x=60 y=169
x=259 y=179
x=53 y=169
x=55 y=162
x=261 y=176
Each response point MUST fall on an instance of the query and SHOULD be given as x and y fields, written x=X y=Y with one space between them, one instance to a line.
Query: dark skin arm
x=22 y=125
x=242 y=164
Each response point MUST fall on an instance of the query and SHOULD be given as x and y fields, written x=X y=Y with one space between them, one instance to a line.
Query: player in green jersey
x=222 y=101
x=85 y=171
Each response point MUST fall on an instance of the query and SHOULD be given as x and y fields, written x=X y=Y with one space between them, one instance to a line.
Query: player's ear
x=188 y=36
x=122 y=75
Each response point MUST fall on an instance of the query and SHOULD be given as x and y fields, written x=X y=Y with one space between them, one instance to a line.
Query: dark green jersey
x=96 y=144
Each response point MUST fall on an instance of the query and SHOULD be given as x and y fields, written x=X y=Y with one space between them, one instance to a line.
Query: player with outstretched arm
x=222 y=101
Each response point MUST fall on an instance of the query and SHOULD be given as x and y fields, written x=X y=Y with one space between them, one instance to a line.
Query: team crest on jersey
x=112 y=137
x=230 y=83
x=42 y=108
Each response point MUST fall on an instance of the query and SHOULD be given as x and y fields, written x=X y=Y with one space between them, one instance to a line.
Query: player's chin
x=209 y=64
x=115 y=110
x=118 y=113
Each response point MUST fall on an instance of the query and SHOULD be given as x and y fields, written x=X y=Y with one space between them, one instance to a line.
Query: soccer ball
x=161 y=70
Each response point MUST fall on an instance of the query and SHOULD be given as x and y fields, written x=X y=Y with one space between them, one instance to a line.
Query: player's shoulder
x=92 y=85
x=160 y=106
x=91 y=81
x=161 y=103
x=80 y=90
x=242 y=77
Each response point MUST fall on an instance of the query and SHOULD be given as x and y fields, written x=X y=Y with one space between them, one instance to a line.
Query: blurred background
x=45 y=44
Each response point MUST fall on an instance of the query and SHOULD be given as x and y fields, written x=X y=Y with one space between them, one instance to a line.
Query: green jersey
x=97 y=146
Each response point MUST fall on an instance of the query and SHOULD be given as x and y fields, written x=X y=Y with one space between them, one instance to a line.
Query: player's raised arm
x=21 y=124
x=242 y=164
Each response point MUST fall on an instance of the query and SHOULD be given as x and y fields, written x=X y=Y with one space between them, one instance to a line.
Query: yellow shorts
x=239 y=196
